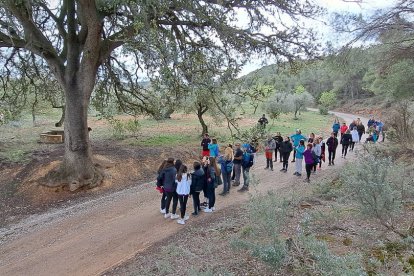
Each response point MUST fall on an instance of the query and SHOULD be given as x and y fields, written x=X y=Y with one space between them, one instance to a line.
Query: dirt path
x=91 y=237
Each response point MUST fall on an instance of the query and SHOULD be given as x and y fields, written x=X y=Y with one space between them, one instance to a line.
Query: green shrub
x=379 y=187
x=121 y=129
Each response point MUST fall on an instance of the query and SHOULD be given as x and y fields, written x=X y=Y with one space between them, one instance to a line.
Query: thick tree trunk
x=77 y=169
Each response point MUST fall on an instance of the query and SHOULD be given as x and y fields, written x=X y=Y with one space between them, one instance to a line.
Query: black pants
x=269 y=163
x=211 y=191
x=277 y=151
x=294 y=155
x=183 y=204
x=285 y=158
x=332 y=156
x=352 y=146
x=174 y=197
x=335 y=134
x=308 y=168
x=196 y=202
x=316 y=163
x=344 y=149
x=163 y=200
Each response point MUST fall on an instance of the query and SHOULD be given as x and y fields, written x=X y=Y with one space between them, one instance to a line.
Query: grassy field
x=19 y=139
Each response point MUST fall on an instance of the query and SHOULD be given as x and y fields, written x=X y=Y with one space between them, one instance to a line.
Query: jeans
x=183 y=204
x=163 y=200
x=196 y=202
x=237 y=172
x=226 y=181
x=174 y=197
x=298 y=165
x=246 y=177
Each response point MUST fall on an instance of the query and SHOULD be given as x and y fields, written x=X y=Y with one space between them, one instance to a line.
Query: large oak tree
x=90 y=42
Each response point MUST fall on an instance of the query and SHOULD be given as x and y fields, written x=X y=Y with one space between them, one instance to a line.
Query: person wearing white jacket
x=355 y=138
x=183 y=190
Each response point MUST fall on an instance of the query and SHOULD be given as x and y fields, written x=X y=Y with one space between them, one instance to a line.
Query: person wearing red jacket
x=344 y=128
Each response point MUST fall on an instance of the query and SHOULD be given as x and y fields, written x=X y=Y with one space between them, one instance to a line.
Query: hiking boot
x=266 y=168
x=295 y=173
x=293 y=161
x=243 y=189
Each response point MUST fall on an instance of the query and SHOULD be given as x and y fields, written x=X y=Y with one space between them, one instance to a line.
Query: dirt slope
x=91 y=237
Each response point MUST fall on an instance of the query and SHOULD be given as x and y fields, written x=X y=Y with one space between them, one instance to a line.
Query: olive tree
x=88 y=42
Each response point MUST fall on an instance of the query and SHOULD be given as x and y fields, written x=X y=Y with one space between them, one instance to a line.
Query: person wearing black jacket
x=204 y=144
x=285 y=150
x=332 y=144
x=361 y=130
x=279 y=140
x=167 y=180
x=197 y=183
x=346 y=141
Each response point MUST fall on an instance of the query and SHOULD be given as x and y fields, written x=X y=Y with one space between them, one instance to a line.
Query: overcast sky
x=365 y=7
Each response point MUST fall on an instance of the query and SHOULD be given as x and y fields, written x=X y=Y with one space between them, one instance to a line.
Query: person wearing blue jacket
x=295 y=138
x=214 y=148
x=299 y=157
x=335 y=127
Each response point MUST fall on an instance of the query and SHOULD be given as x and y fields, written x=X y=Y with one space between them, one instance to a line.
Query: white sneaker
x=174 y=216
x=162 y=211
x=181 y=221
x=167 y=215
x=207 y=210
x=186 y=217
x=213 y=208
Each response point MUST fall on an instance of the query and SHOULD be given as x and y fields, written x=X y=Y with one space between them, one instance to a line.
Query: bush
x=323 y=110
x=379 y=188
x=302 y=254
x=122 y=129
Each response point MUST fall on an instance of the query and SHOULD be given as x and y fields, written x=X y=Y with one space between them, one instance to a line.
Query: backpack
x=229 y=166
x=315 y=157
x=247 y=160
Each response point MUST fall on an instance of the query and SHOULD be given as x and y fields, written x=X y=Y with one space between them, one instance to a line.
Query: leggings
x=344 y=149
x=174 y=197
x=285 y=158
x=360 y=135
x=211 y=191
x=183 y=204
x=332 y=156
x=308 y=168
x=277 y=151
x=196 y=202
x=352 y=146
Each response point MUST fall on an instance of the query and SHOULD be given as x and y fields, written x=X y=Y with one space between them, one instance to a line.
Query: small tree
x=326 y=101
x=300 y=99
x=277 y=105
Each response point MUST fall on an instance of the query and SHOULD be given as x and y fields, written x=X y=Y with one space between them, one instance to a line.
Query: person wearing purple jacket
x=309 y=161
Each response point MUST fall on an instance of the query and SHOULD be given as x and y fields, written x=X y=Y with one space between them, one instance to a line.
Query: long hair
x=178 y=164
x=162 y=166
x=181 y=171
x=213 y=163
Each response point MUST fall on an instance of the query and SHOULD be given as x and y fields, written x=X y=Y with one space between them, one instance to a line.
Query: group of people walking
x=214 y=169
